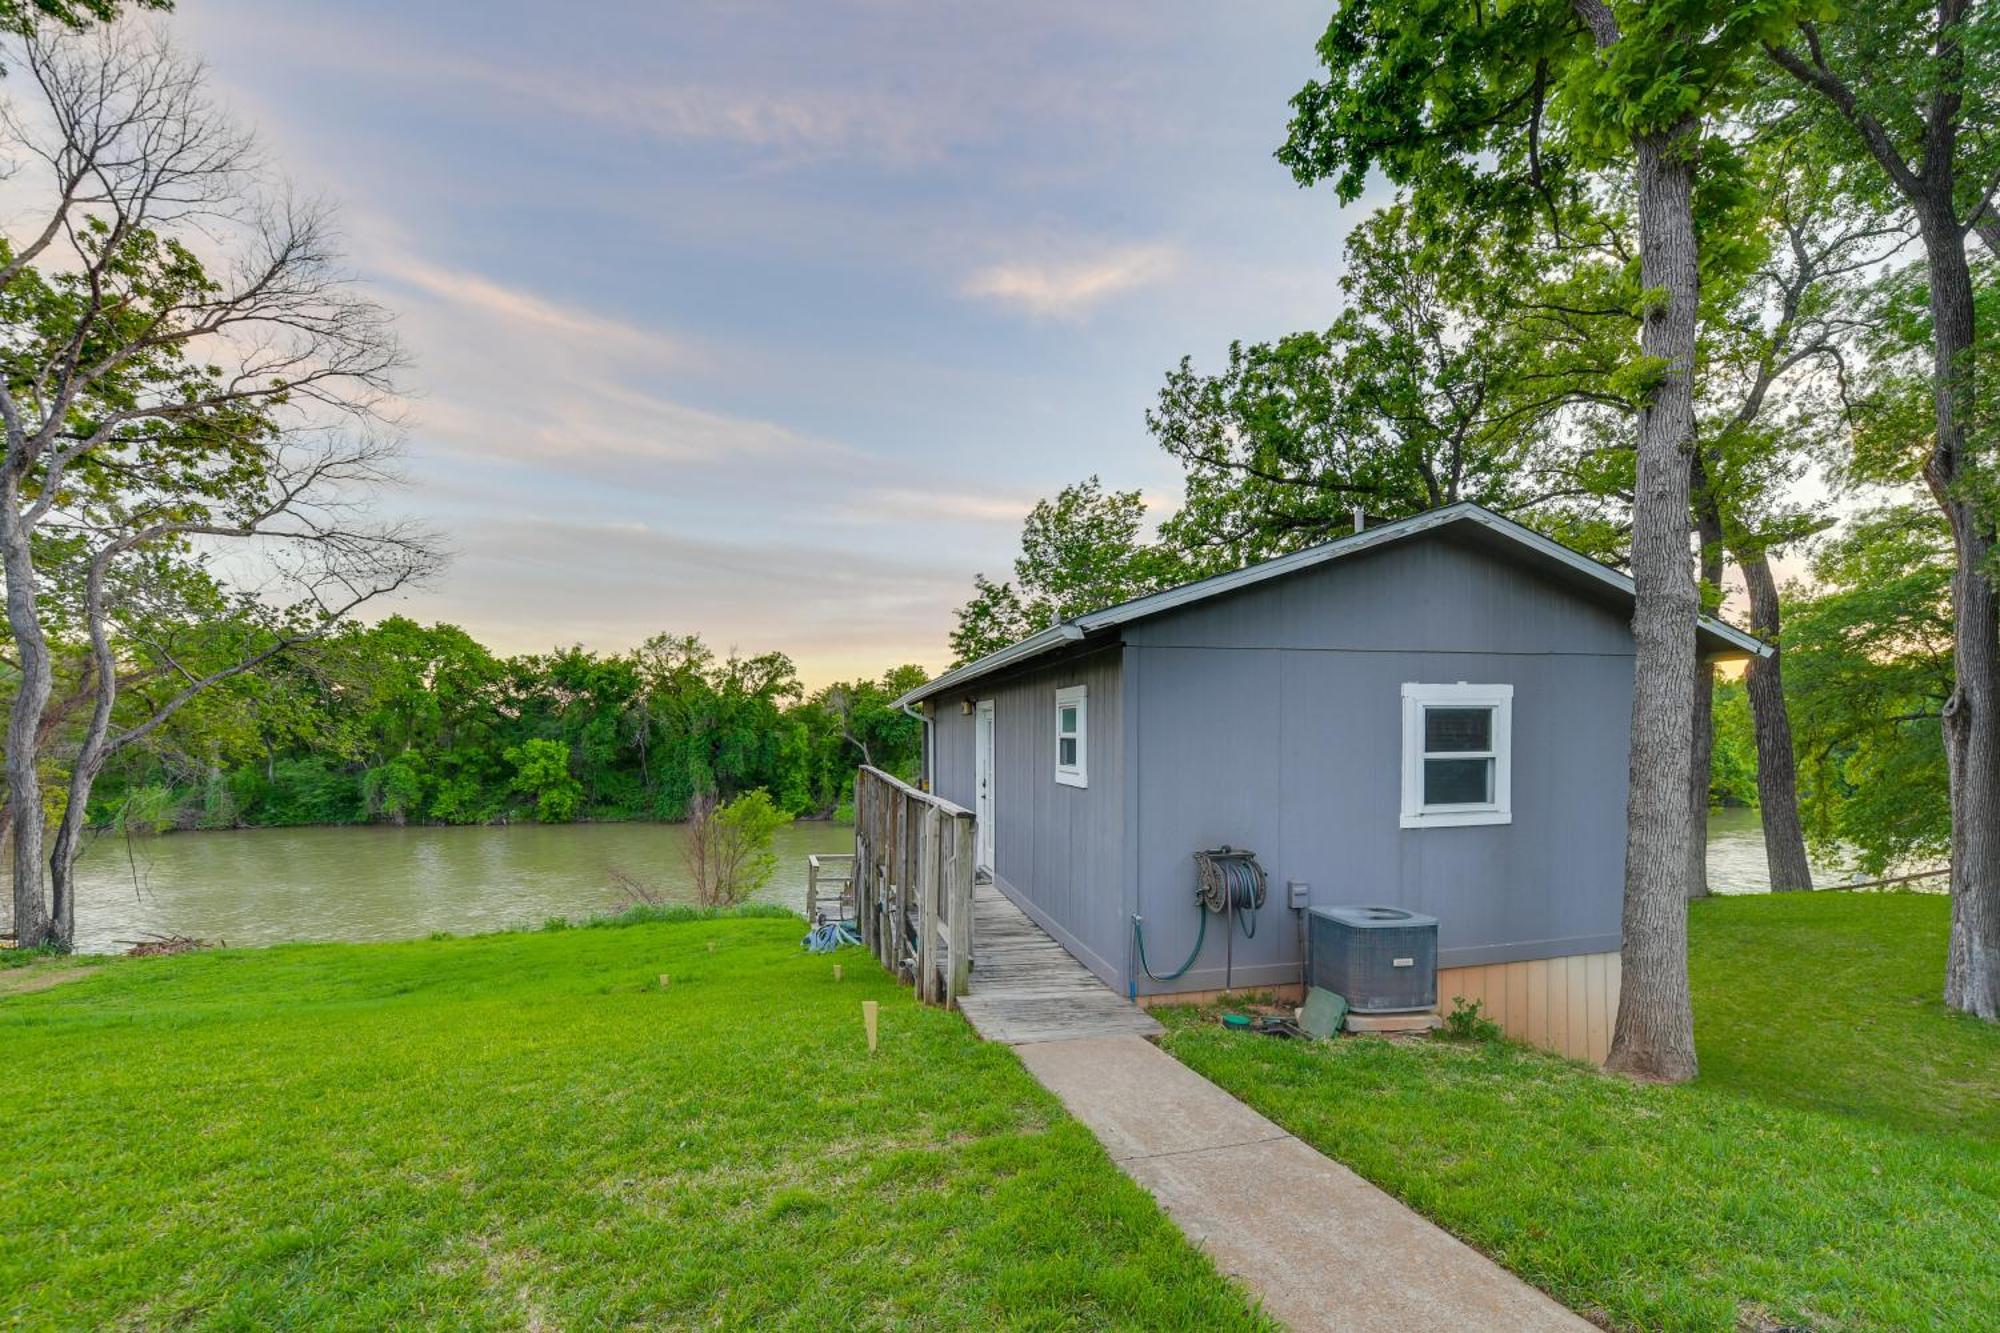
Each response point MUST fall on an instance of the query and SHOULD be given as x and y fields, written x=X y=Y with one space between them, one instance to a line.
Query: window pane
x=1066 y=752
x=1458 y=781
x=1449 y=729
x=1068 y=723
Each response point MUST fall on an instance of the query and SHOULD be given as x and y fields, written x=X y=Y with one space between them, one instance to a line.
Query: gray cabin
x=1431 y=714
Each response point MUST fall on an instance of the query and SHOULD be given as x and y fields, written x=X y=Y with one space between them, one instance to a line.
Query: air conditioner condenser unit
x=1382 y=959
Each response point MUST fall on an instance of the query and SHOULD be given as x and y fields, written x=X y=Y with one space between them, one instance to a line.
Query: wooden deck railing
x=913 y=856
x=830 y=875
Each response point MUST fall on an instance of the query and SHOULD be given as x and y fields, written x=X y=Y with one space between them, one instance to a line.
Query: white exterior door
x=982 y=770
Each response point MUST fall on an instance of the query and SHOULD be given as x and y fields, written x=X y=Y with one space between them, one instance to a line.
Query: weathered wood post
x=929 y=850
x=864 y=897
x=958 y=909
x=892 y=861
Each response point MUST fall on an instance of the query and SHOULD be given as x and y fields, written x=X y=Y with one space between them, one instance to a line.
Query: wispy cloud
x=849 y=612
x=516 y=376
x=951 y=505
x=793 y=125
x=1068 y=289
x=486 y=297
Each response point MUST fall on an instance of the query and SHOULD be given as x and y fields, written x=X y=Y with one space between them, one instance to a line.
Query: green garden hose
x=1201 y=933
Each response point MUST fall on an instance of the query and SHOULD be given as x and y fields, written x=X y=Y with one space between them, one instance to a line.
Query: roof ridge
x=1077 y=627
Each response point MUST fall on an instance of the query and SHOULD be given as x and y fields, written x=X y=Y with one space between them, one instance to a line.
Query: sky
x=771 y=321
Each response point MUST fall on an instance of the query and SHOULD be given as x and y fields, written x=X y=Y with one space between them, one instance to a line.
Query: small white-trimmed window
x=1457 y=752
x=1072 y=736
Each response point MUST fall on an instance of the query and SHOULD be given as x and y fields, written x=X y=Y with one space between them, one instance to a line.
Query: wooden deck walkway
x=1025 y=987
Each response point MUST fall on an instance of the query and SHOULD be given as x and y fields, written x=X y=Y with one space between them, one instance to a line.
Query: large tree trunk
x=24 y=787
x=1972 y=714
x=1701 y=760
x=1708 y=531
x=91 y=753
x=1777 y=765
x=1654 y=1037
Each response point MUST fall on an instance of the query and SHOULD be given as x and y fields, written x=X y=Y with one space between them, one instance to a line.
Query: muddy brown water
x=263 y=886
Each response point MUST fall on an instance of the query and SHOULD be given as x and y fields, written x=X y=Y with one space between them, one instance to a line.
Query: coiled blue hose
x=827 y=938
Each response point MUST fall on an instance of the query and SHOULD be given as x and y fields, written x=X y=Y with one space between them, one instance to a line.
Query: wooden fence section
x=913 y=857
x=830 y=875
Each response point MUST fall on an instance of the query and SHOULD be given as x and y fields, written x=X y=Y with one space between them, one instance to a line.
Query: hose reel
x=1228 y=882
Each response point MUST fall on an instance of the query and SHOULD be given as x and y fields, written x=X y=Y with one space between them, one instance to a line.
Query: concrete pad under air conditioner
x=1393 y=1022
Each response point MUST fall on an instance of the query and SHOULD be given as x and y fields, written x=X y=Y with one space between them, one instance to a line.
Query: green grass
x=1836 y=1166
x=526 y=1130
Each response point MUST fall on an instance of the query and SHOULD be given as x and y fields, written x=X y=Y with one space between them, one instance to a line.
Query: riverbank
x=1836 y=1166
x=528 y=1130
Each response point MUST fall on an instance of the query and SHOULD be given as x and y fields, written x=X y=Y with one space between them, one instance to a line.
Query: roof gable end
x=1723 y=637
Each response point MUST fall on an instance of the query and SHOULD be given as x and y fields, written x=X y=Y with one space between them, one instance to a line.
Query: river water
x=262 y=886
x=1736 y=856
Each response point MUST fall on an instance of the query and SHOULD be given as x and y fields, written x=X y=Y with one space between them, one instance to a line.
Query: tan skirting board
x=1563 y=1004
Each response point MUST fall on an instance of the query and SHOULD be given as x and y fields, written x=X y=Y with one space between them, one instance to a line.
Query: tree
x=1911 y=90
x=1495 y=115
x=728 y=847
x=18 y=17
x=1871 y=674
x=1773 y=392
x=1079 y=552
x=542 y=773
x=1414 y=398
x=153 y=409
x=884 y=737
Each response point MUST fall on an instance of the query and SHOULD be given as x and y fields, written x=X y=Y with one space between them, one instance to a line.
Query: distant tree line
x=402 y=723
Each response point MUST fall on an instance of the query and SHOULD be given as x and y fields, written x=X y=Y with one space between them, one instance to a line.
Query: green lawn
x=525 y=1130
x=1836 y=1166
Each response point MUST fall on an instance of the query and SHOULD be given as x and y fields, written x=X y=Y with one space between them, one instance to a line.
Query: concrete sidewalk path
x=1320 y=1246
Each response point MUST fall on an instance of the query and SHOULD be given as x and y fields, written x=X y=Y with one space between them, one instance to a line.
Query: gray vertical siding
x=1271 y=718
x=951 y=753
x=1059 y=851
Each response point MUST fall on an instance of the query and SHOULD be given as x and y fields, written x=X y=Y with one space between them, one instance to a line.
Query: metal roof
x=1075 y=629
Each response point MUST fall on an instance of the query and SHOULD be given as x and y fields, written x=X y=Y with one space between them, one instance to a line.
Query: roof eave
x=1032 y=646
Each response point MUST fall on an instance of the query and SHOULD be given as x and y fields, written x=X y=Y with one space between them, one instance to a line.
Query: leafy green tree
x=1909 y=92
x=542 y=773
x=728 y=847
x=1870 y=648
x=1417 y=396
x=1494 y=116
x=1732 y=776
x=881 y=736
x=17 y=16
x=150 y=404
x=1080 y=552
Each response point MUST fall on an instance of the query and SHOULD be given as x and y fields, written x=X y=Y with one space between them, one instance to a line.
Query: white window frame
x=1077 y=774
x=1417 y=698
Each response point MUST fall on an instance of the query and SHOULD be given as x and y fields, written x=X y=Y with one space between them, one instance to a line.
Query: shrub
x=394 y=789
x=147 y=809
x=728 y=847
x=1467 y=1021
